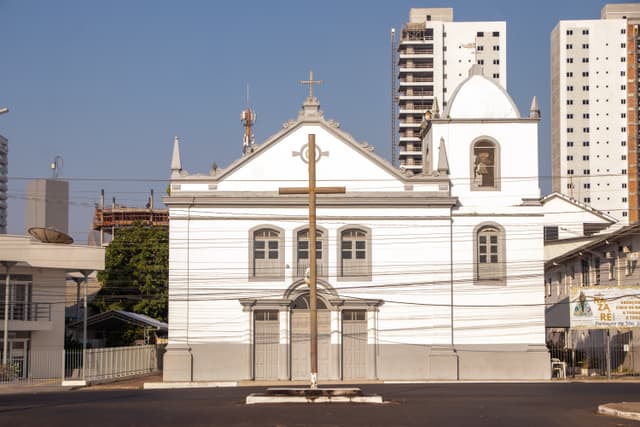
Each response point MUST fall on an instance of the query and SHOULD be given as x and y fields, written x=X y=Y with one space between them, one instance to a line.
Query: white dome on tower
x=480 y=98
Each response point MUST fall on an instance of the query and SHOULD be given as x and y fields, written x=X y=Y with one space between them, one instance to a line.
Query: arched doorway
x=300 y=340
x=347 y=335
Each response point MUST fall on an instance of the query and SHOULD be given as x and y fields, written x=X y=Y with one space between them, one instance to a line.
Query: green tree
x=136 y=272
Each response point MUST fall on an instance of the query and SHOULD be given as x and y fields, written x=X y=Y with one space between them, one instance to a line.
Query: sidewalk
x=628 y=410
x=54 y=385
x=44 y=386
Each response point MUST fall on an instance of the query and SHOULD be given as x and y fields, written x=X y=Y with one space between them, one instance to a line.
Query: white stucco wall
x=218 y=266
x=517 y=141
x=48 y=288
x=505 y=313
x=412 y=244
x=340 y=165
x=570 y=217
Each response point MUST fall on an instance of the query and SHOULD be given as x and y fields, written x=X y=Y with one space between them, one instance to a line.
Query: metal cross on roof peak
x=311 y=82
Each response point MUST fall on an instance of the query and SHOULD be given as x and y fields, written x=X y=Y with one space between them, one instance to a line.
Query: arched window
x=303 y=251
x=490 y=255
x=267 y=257
x=355 y=254
x=485 y=165
x=303 y=302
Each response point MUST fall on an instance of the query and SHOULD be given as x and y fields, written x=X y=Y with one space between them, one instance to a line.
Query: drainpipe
x=451 y=271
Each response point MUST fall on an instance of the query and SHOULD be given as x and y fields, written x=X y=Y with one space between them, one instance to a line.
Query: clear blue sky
x=107 y=84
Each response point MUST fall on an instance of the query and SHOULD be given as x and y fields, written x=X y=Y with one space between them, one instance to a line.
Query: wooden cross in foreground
x=312 y=190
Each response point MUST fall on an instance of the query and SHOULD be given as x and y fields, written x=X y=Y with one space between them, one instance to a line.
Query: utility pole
x=85 y=281
x=5 y=336
x=312 y=190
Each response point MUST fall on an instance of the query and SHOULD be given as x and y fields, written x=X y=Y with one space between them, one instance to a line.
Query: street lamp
x=4 y=110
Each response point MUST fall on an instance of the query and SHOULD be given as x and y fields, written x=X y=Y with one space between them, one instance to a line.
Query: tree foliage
x=136 y=272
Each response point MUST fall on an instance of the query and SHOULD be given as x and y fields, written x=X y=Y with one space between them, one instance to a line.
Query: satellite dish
x=50 y=235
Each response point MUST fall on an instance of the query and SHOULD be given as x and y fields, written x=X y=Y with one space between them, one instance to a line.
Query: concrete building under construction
x=109 y=219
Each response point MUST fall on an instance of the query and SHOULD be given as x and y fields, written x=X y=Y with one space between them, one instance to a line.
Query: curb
x=254 y=399
x=607 y=410
x=176 y=385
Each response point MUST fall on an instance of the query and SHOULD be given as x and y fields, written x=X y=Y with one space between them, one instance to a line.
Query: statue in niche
x=484 y=164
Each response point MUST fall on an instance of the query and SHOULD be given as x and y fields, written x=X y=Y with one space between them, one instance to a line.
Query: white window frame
x=490 y=254
x=358 y=248
x=272 y=268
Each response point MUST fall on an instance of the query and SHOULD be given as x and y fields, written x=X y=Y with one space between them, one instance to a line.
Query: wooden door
x=300 y=344
x=267 y=343
x=354 y=344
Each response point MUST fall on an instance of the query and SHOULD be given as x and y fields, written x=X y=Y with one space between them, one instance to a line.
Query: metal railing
x=303 y=265
x=417 y=93
x=102 y=364
x=597 y=352
x=32 y=366
x=112 y=362
x=35 y=311
x=416 y=79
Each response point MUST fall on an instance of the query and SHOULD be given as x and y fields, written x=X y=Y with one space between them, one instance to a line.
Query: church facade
x=430 y=276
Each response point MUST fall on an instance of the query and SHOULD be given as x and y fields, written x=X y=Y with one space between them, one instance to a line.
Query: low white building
x=593 y=303
x=36 y=321
x=569 y=223
x=430 y=276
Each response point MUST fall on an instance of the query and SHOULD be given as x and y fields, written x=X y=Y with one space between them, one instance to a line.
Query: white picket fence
x=92 y=365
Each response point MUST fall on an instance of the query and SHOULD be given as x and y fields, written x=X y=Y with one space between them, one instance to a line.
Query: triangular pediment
x=565 y=206
x=282 y=161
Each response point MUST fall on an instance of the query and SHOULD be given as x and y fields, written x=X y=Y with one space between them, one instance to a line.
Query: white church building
x=431 y=276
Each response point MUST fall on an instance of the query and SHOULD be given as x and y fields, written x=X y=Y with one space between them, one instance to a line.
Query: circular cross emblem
x=304 y=153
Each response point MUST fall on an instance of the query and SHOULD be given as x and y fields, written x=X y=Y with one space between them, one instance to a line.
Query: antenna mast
x=248 y=118
x=56 y=166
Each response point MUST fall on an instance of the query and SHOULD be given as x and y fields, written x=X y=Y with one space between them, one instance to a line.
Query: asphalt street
x=544 y=404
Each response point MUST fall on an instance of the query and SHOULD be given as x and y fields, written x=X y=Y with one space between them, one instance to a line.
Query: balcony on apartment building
x=415 y=65
x=413 y=32
x=409 y=134
x=415 y=93
x=34 y=316
x=410 y=121
x=413 y=161
x=415 y=51
x=415 y=79
x=410 y=149
x=414 y=107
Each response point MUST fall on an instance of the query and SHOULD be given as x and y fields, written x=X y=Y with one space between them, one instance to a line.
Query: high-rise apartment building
x=594 y=110
x=434 y=56
x=4 y=188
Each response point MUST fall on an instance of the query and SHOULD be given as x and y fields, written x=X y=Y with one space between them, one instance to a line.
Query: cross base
x=312 y=395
